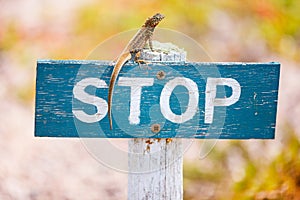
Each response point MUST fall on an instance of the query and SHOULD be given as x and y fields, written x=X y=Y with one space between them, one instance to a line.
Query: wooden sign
x=161 y=100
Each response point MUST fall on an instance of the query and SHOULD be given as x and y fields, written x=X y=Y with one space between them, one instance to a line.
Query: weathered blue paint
x=253 y=116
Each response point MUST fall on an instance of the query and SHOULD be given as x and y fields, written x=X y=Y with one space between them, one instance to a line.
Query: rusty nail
x=160 y=75
x=155 y=128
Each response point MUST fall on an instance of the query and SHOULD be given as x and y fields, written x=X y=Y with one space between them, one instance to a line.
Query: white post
x=155 y=165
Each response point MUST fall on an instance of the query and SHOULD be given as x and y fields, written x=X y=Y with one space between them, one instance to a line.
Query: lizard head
x=154 y=20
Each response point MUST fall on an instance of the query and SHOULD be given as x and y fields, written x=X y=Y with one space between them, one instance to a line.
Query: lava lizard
x=136 y=44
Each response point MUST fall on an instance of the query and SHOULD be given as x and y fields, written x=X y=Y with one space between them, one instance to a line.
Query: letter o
x=192 y=107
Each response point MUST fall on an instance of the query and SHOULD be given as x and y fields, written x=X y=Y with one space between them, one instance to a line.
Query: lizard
x=132 y=51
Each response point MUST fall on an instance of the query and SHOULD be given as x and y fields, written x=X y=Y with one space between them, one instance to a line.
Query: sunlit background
x=229 y=30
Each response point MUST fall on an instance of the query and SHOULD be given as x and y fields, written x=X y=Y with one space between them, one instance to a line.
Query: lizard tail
x=120 y=62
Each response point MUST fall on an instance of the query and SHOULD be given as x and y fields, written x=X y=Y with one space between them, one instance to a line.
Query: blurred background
x=229 y=30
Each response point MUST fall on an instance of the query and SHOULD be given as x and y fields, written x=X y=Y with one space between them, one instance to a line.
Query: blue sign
x=161 y=100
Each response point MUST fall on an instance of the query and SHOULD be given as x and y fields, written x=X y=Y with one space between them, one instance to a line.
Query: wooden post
x=155 y=165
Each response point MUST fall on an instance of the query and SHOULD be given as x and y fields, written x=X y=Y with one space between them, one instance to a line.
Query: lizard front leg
x=151 y=43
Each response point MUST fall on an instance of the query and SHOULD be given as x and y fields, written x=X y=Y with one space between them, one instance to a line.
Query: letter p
x=210 y=95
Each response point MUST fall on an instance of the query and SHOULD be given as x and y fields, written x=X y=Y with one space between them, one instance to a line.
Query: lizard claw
x=143 y=64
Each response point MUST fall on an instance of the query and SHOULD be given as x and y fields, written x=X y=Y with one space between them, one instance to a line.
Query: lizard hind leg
x=140 y=61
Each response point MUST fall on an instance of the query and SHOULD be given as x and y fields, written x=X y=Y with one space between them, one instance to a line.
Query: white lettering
x=210 y=95
x=81 y=95
x=136 y=85
x=193 y=100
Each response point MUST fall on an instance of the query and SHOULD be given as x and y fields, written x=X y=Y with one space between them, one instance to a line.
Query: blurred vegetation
x=259 y=177
x=230 y=30
x=275 y=21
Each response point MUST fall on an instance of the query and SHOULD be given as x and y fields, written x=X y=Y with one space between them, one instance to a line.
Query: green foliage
x=264 y=178
x=279 y=179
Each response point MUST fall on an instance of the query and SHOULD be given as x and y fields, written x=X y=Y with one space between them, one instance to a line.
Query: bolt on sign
x=166 y=100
